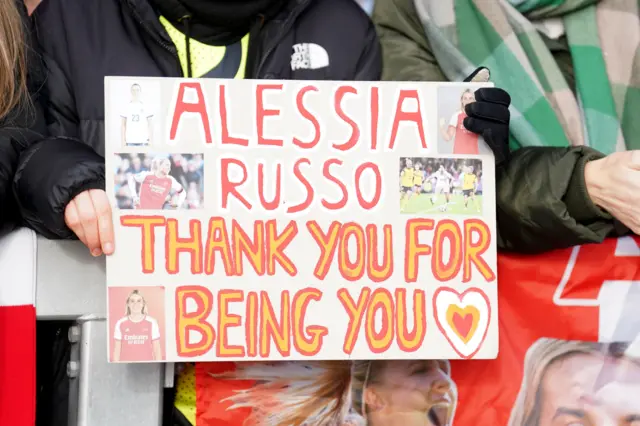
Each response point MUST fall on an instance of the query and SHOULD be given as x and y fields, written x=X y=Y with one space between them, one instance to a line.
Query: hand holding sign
x=489 y=115
x=613 y=183
x=88 y=215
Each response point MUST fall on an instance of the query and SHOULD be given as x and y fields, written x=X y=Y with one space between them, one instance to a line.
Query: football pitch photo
x=436 y=204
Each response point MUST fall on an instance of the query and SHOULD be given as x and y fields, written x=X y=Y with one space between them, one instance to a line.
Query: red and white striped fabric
x=17 y=328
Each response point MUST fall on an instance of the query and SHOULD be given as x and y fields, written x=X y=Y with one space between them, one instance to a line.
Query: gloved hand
x=489 y=115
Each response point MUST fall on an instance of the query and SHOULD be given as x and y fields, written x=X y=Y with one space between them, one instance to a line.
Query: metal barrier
x=70 y=284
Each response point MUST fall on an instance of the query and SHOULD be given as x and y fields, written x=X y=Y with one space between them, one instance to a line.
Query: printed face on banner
x=306 y=220
x=581 y=383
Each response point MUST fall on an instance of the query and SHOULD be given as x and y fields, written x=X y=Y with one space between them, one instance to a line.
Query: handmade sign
x=273 y=220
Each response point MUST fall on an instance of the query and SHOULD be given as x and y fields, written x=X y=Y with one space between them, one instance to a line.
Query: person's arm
x=177 y=188
x=150 y=126
x=52 y=171
x=117 y=347
x=157 y=351
x=132 y=190
x=405 y=49
x=123 y=131
x=543 y=202
x=131 y=181
x=447 y=131
x=117 y=341
x=60 y=106
x=50 y=174
x=12 y=142
x=155 y=339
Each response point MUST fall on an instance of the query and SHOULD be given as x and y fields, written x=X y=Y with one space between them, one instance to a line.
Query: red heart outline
x=460 y=297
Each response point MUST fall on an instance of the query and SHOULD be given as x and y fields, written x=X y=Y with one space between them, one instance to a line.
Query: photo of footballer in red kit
x=159 y=181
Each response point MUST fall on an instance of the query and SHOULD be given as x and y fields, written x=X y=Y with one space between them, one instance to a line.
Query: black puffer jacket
x=83 y=41
x=27 y=189
x=86 y=40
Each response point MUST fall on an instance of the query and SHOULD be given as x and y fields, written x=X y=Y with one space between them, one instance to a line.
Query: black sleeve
x=369 y=66
x=50 y=41
x=49 y=175
x=13 y=140
x=543 y=204
x=47 y=172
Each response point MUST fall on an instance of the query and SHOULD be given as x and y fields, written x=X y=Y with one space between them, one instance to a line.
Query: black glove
x=489 y=116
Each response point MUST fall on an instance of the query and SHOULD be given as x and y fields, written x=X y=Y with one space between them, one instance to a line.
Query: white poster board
x=272 y=220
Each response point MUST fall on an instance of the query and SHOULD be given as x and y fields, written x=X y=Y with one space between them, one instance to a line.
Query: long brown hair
x=12 y=57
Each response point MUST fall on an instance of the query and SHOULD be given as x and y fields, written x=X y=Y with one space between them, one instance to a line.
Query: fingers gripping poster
x=291 y=221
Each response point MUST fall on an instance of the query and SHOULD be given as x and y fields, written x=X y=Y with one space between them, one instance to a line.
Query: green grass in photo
x=430 y=204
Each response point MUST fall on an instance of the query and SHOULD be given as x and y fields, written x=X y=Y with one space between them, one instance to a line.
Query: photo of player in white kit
x=443 y=182
x=137 y=120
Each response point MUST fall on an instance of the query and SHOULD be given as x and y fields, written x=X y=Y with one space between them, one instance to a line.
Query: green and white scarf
x=604 y=41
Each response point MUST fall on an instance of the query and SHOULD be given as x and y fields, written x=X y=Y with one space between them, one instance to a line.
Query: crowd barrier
x=70 y=284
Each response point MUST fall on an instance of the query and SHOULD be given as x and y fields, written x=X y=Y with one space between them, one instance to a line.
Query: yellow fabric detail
x=203 y=56
x=186 y=393
x=203 y=59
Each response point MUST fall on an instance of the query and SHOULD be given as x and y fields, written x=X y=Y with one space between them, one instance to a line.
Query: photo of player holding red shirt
x=464 y=141
x=156 y=187
x=136 y=336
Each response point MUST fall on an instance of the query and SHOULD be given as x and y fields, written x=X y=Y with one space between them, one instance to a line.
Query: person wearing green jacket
x=573 y=176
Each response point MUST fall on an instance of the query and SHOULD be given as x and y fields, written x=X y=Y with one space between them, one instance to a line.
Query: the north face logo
x=309 y=56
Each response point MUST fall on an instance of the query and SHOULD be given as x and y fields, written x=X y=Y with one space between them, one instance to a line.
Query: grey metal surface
x=169 y=374
x=69 y=281
x=71 y=284
x=112 y=394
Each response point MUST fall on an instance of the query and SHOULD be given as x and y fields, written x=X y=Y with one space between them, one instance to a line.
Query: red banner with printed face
x=568 y=326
